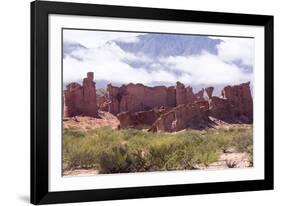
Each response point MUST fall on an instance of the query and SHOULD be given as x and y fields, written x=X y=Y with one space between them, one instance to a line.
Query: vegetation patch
x=118 y=151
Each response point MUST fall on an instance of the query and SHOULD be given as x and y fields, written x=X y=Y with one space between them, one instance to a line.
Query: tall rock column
x=89 y=96
x=180 y=94
x=81 y=100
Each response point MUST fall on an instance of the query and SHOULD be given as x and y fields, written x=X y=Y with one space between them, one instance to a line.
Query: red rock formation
x=171 y=97
x=114 y=95
x=220 y=109
x=127 y=120
x=195 y=114
x=199 y=96
x=182 y=117
x=137 y=97
x=147 y=117
x=143 y=119
x=235 y=106
x=190 y=97
x=132 y=103
x=103 y=103
x=89 y=96
x=72 y=99
x=184 y=95
x=209 y=92
x=148 y=97
x=180 y=94
x=161 y=108
x=204 y=105
x=240 y=99
x=81 y=100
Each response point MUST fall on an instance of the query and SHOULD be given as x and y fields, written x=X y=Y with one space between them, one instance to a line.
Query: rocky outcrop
x=114 y=96
x=160 y=108
x=143 y=119
x=240 y=100
x=182 y=117
x=81 y=100
x=209 y=91
x=220 y=109
x=235 y=106
x=184 y=95
x=199 y=96
x=103 y=103
x=137 y=97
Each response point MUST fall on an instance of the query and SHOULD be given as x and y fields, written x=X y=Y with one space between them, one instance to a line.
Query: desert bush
x=243 y=142
x=73 y=132
x=77 y=154
x=115 y=161
x=131 y=150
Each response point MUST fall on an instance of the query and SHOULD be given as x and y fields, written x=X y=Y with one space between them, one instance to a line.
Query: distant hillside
x=160 y=45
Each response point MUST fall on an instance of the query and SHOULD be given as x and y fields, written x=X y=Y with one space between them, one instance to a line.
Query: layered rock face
x=209 y=91
x=160 y=108
x=182 y=117
x=137 y=97
x=236 y=104
x=220 y=108
x=184 y=95
x=140 y=120
x=240 y=100
x=81 y=100
x=193 y=110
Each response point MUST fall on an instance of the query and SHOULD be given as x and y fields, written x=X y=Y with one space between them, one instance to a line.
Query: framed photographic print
x=131 y=102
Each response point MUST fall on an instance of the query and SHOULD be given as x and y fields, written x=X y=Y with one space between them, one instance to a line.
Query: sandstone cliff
x=160 y=108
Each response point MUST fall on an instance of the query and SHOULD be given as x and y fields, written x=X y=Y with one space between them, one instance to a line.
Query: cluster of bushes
x=118 y=151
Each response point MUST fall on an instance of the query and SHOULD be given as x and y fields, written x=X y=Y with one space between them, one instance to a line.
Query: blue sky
x=156 y=59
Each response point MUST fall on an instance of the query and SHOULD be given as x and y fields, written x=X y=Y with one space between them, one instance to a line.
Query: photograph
x=133 y=102
x=155 y=102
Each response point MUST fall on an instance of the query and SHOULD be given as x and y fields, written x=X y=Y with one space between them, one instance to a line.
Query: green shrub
x=243 y=142
x=73 y=132
x=78 y=154
x=117 y=151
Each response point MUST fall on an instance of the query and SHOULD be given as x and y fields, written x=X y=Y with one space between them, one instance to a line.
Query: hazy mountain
x=161 y=45
x=70 y=47
x=157 y=46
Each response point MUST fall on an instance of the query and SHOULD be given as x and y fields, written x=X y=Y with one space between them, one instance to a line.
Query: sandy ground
x=80 y=172
x=228 y=160
x=89 y=123
x=222 y=124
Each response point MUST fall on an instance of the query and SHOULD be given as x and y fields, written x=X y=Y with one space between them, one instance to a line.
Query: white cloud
x=93 y=39
x=237 y=49
x=207 y=69
x=106 y=61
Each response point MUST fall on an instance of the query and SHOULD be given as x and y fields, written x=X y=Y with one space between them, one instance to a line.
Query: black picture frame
x=39 y=102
